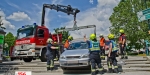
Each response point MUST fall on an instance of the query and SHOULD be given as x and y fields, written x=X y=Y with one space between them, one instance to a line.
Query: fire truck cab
x=31 y=42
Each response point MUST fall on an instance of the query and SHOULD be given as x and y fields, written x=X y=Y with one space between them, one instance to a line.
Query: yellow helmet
x=111 y=36
x=49 y=40
x=92 y=36
x=121 y=31
x=70 y=37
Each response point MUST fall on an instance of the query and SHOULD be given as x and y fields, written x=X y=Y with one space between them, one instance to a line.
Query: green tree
x=125 y=17
x=65 y=34
x=9 y=39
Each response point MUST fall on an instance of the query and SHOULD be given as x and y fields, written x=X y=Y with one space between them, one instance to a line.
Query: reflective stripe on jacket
x=94 y=46
x=114 y=46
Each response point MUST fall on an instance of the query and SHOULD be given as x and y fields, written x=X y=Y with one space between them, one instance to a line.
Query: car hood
x=77 y=52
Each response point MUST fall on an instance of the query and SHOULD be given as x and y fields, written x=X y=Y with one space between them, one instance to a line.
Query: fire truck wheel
x=12 y=59
x=43 y=55
x=27 y=59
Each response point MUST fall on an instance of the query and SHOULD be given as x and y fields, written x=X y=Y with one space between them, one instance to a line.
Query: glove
x=57 y=47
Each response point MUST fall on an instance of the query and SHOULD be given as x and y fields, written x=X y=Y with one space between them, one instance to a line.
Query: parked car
x=77 y=55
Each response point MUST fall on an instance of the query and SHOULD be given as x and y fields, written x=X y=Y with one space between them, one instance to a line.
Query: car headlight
x=85 y=56
x=62 y=57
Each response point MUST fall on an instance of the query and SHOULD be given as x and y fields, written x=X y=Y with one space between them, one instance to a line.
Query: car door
x=40 y=36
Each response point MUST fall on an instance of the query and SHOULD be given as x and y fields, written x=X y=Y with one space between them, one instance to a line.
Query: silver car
x=77 y=55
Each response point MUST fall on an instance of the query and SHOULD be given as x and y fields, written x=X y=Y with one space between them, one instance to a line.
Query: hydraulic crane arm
x=78 y=28
x=66 y=9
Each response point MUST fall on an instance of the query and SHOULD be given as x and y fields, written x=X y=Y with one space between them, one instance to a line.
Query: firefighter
x=66 y=45
x=111 y=58
x=102 y=46
x=94 y=49
x=122 y=44
x=50 y=54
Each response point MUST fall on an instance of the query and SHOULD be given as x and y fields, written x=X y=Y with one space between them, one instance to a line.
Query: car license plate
x=21 y=52
x=72 y=62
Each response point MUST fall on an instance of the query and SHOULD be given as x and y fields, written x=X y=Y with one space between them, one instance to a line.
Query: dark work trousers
x=112 y=61
x=50 y=60
x=102 y=50
x=95 y=59
x=122 y=50
x=57 y=53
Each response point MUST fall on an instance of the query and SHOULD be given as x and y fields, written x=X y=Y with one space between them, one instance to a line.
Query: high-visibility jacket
x=121 y=38
x=94 y=46
x=102 y=42
x=114 y=46
x=66 y=45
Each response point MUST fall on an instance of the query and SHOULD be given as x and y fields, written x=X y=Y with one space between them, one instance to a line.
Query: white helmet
x=49 y=40
x=101 y=34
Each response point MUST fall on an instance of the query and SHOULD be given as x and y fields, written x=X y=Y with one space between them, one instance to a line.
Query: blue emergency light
x=34 y=23
x=23 y=26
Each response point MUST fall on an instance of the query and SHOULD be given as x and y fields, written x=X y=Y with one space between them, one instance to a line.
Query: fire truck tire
x=43 y=56
x=27 y=59
x=12 y=59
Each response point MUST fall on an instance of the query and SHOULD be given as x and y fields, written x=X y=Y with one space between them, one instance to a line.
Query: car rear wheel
x=12 y=59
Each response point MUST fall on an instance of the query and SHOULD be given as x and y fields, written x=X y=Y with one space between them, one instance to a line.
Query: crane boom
x=66 y=9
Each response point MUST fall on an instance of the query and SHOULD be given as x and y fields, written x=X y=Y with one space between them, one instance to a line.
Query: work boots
x=52 y=68
x=126 y=57
x=110 y=70
x=93 y=73
x=48 y=68
x=116 y=70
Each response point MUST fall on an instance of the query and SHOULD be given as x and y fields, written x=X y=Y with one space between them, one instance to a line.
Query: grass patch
x=141 y=54
x=7 y=56
x=133 y=54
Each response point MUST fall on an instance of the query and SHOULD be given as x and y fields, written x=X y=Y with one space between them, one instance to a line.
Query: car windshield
x=27 y=32
x=78 y=45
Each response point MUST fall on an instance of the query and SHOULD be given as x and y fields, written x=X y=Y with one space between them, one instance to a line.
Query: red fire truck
x=31 y=39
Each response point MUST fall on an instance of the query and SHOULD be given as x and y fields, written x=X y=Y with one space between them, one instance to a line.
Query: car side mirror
x=65 y=49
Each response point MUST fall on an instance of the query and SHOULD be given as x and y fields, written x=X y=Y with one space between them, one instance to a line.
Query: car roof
x=77 y=40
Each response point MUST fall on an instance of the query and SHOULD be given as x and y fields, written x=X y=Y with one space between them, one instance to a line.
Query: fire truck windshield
x=27 y=32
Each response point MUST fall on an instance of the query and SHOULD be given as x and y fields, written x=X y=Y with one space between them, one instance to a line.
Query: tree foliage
x=9 y=39
x=125 y=17
x=65 y=34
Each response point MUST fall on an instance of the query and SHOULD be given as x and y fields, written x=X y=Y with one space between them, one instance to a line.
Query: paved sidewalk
x=126 y=73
